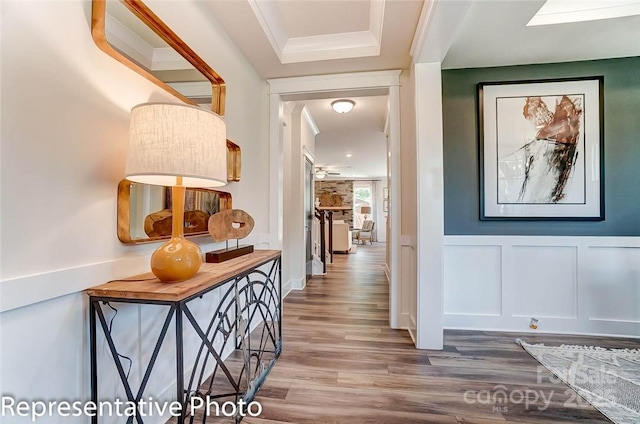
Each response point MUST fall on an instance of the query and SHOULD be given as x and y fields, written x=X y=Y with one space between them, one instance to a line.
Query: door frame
x=389 y=80
x=308 y=157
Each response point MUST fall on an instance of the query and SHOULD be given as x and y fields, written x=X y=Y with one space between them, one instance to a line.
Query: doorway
x=308 y=217
x=358 y=84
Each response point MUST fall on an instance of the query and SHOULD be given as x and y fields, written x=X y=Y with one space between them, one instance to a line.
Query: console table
x=244 y=325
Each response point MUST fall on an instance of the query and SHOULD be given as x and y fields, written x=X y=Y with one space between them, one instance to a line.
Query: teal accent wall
x=621 y=149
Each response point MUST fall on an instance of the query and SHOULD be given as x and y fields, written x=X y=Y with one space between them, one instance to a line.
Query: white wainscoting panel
x=545 y=281
x=614 y=284
x=579 y=285
x=473 y=275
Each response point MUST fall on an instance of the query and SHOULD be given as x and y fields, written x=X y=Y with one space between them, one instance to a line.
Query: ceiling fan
x=321 y=172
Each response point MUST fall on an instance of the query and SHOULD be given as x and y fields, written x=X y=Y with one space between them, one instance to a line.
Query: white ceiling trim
x=319 y=47
x=332 y=82
x=330 y=46
x=421 y=31
x=270 y=22
x=312 y=123
x=438 y=26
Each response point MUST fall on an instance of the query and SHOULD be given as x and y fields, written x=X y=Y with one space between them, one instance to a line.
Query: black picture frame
x=541 y=149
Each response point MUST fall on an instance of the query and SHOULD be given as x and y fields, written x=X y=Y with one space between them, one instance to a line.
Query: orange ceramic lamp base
x=178 y=259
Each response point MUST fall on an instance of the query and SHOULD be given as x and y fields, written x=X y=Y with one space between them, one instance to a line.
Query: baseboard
x=286 y=289
x=404 y=322
x=412 y=330
x=546 y=326
x=317 y=267
x=533 y=332
x=296 y=284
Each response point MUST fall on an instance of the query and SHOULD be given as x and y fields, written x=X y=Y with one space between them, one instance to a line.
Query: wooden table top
x=209 y=275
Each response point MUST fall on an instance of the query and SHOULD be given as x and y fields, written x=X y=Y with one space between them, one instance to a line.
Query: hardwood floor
x=341 y=363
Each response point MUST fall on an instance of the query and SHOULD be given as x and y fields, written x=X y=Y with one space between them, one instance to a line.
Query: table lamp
x=365 y=210
x=179 y=146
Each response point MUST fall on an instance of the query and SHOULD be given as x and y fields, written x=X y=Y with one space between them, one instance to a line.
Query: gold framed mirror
x=149 y=47
x=131 y=33
x=144 y=211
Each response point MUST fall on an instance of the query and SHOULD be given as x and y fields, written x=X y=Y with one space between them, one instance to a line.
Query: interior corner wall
x=574 y=276
x=64 y=135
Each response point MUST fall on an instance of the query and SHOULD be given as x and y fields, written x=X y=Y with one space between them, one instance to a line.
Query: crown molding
x=319 y=47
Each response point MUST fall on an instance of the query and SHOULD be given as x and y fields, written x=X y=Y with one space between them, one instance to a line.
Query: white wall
x=585 y=285
x=430 y=205
x=301 y=136
x=65 y=114
x=408 y=233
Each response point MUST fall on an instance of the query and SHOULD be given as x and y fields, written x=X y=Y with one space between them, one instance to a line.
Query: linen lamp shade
x=168 y=140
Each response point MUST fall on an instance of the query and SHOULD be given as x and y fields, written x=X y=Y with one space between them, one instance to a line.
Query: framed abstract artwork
x=541 y=149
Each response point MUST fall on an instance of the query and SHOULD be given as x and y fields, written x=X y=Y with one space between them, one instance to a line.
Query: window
x=362 y=197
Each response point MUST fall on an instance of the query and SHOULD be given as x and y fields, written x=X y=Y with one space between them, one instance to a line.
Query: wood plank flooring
x=341 y=363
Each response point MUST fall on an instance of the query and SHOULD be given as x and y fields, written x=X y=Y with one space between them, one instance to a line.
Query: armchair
x=365 y=233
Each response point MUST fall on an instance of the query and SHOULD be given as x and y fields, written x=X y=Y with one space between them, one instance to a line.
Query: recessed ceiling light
x=349 y=155
x=343 y=105
x=562 y=11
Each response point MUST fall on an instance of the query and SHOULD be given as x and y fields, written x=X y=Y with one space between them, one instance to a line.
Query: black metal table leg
x=180 y=364
x=94 y=356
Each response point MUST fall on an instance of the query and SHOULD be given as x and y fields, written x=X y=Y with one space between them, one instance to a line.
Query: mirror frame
x=142 y=12
x=218 y=86
x=124 y=213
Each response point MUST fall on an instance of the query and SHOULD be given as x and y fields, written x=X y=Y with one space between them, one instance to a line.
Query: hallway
x=341 y=363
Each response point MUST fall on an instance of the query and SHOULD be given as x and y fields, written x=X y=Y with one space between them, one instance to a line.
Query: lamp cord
x=118 y=353
x=114 y=316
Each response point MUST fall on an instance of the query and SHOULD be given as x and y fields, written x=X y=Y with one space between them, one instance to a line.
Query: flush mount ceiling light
x=320 y=174
x=343 y=105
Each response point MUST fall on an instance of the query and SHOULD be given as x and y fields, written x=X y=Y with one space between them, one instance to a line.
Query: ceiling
x=284 y=38
x=358 y=133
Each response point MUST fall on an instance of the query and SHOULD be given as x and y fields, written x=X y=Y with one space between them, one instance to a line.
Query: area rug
x=609 y=379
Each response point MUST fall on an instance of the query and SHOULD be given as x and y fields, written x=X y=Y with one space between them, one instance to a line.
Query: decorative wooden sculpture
x=228 y=225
